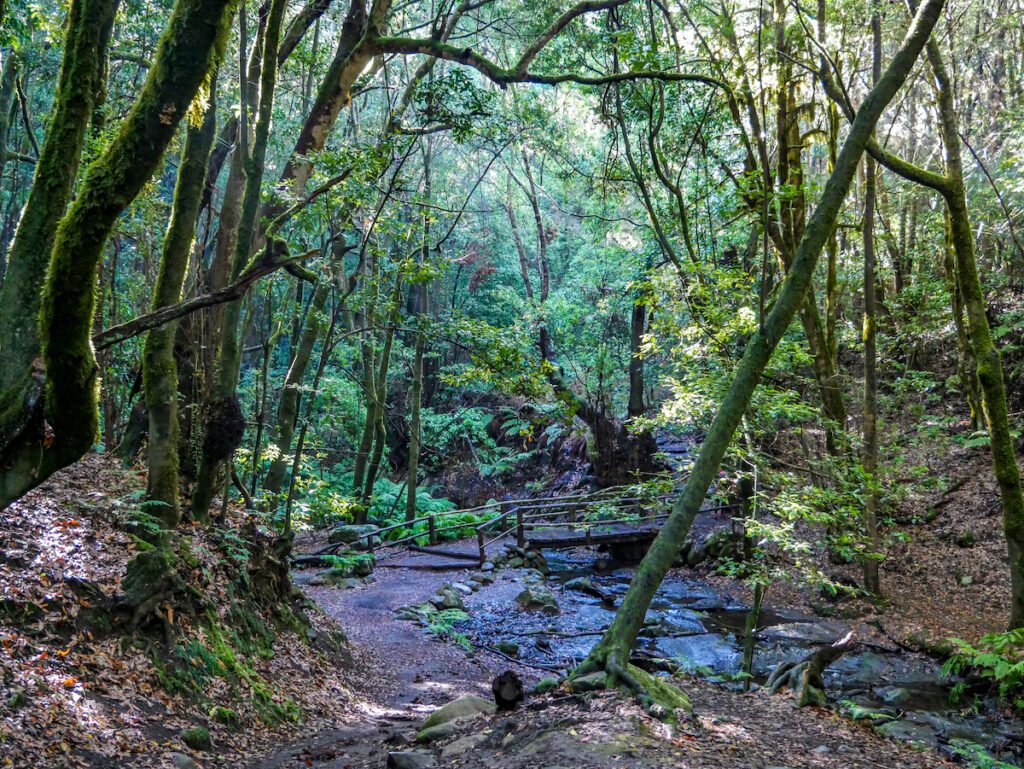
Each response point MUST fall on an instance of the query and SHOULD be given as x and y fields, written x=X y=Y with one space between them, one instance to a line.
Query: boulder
x=463 y=707
x=589 y=683
x=348 y=533
x=537 y=599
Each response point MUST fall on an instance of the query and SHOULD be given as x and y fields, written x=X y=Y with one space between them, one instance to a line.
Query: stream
x=701 y=629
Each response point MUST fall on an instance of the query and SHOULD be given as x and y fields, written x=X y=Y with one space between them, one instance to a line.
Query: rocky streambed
x=547 y=615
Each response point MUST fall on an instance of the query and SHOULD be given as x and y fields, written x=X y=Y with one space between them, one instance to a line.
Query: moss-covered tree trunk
x=990 y=370
x=381 y=392
x=159 y=368
x=68 y=425
x=88 y=34
x=216 y=449
x=612 y=652
x=870 y=334
x=416 y=389
x=288 y=406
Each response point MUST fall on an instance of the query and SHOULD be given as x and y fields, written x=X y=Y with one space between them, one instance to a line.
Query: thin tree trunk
x=612 y=652
x=381 y=392
x=288 y=406
x=159 y=368
x=223 y=399
x=870 y=458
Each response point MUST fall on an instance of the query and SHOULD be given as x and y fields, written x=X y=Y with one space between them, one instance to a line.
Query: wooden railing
x=525 y=513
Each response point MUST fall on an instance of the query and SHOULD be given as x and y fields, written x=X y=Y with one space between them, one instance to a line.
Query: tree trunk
x=159 y=369
x=67 y=428
x=870 y=460
x=89 y=26
x=990 y=370
x=612 y=652
x=230 y=357
x=288 y=406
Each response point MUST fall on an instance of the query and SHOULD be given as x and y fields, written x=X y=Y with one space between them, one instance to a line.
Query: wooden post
x=433 y=533
x=480 y=544
x=520 y=531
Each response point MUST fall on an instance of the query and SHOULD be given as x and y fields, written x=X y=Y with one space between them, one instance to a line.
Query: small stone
x=197 y=738
x=511 y=648
x=487 y=566
x=181 y=761
x=966 y=580
x=515 y=563
x=464 y=589
x=439 y=732
x=409 y=759
x=822 y=750
x=462 y=745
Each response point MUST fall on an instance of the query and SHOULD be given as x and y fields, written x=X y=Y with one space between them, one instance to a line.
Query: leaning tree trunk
x=66 y=429
x=288 y=406
x=89 y=25
x=612 y=653
x=159 y=368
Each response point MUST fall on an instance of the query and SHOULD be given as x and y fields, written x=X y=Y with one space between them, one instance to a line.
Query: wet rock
x=696 y=556
x=487 y=566
x=448 y=598
x=463 y=707
x=907 y=731
x=896 y=696
x=515 y=563
x=410 y=759
x=462 y=588
x=722 y=544
x=806 y=632
x=348 y=533
x=537 y=599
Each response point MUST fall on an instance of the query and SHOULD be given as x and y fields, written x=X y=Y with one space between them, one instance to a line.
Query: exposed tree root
x=804 y=676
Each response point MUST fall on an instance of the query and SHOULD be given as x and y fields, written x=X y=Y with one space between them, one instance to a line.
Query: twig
x=537 y=665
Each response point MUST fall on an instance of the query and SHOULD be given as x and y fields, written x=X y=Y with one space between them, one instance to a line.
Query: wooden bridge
x=611 y=517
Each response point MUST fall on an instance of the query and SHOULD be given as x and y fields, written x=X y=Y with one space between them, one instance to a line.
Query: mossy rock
x=662 y=692
x=545 y=685
x=225 y=716
x=511 y=648
x=460 y=708
x=197 y=738
x=149 y=574
x=591 y=682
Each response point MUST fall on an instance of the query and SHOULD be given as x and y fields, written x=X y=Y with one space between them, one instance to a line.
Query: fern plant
x=998 y=658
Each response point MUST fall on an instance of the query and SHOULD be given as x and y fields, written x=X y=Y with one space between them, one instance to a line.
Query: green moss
x=197 y=738
x=225 y=716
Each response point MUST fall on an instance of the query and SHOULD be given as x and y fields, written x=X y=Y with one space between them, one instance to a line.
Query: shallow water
x=701 y=630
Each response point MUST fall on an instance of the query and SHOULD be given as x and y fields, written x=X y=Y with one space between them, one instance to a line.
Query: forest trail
x=413 y=673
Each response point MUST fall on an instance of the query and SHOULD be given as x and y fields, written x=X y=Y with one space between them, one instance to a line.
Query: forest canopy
x=351 y=262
